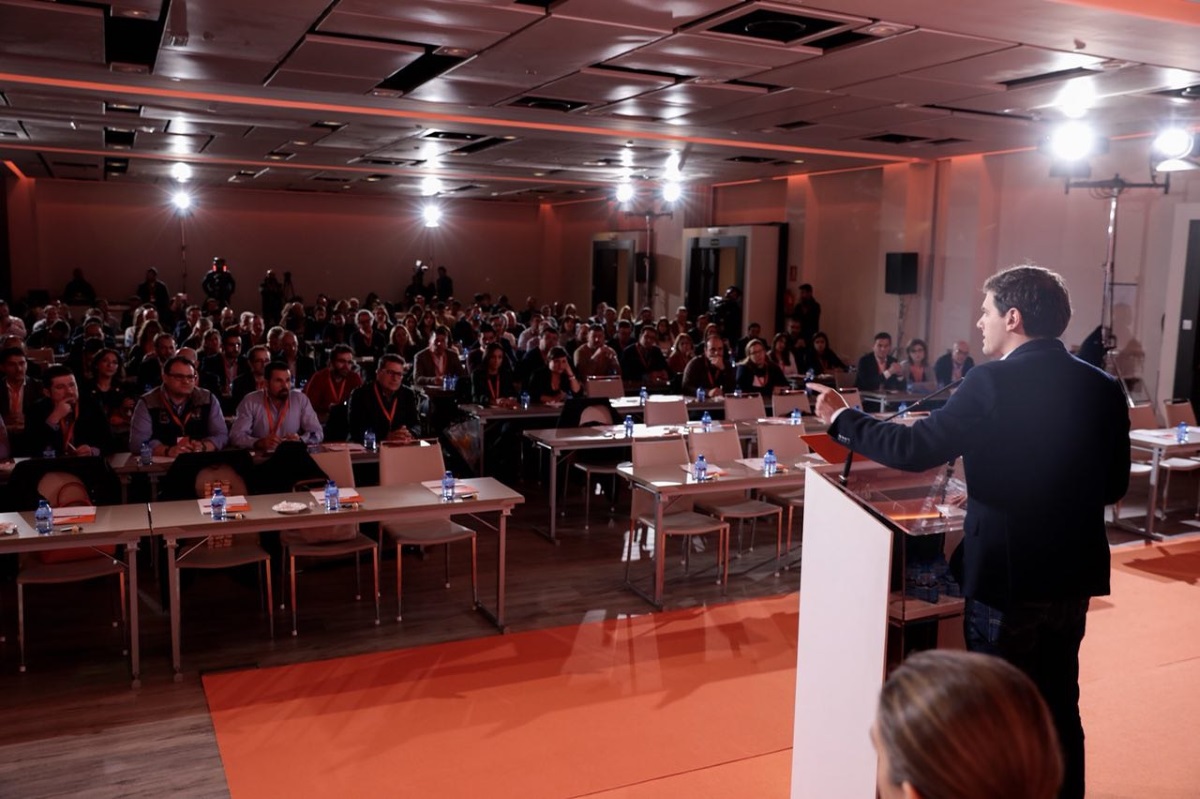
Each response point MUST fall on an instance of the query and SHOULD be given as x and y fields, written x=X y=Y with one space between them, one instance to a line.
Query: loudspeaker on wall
x=900 y=276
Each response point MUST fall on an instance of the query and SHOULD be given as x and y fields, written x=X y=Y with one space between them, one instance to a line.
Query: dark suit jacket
x=92 y=428
x=367 y=414
x=869 y=378
x=943 y=368
x=1044 y=439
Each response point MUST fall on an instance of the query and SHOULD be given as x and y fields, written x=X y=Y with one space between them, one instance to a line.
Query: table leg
x=173 y=590
x=497 y=616
x=1152 y=504
x=552 y=536
x=660 y=551
x=135 y=655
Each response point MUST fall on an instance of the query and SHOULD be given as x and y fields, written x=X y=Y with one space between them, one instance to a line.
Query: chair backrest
x=223 y=473
x=607 y=387
x=748 y=407
x=844 y=379
x=595 y=414
x=665 y=452
x=720 y=445
x=783 y=404
x=411 y=464
x=63 y=490
x=1141 y=417
x=1176 y=411
x=785 y=440
x=852 y=398
x=337 y=466
x=666 y=411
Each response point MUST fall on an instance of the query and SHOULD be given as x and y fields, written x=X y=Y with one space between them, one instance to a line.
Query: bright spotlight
x=431 y=186
x=1073 y=141
x=671 y=191
x=181 y=172
x=1173 y=143
x=624 y=192
x=432 y=215
x=182 y=200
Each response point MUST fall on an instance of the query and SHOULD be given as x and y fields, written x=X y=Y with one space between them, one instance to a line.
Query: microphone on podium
x=923 y=400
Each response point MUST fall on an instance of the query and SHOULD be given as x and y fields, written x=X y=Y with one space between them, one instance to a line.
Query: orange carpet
x=680 y=704
x=1140 y=677
x=684 y=703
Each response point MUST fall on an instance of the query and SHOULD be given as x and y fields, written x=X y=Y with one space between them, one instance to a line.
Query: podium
x=859 y=539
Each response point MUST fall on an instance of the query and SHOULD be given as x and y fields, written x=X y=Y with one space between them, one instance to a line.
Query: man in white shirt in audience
x=275 y=414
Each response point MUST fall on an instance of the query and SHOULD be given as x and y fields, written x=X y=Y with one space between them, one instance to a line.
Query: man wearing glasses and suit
x=385 y=406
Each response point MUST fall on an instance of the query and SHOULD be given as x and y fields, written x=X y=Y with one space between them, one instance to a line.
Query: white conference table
x=669 y=482
x=412 y=502
x=1161 y=444
x=559 y=441
x=115 y=525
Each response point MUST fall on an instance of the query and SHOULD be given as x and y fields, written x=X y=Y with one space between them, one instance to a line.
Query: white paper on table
x=461 y=489
x=344 y=495
x=74 y=513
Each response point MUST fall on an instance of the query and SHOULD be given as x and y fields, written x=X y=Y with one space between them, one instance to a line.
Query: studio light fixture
x=671 y=191
x=432 y=215
x=1173 y=142
x=1073 y=141
x=431 y=186
x=181 y=200
x=624 y=192
x=181 y=172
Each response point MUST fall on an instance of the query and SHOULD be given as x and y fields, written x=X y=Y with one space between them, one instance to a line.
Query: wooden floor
x=72 y=726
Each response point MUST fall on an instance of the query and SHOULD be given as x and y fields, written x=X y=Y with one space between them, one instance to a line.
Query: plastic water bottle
x=795 y=418
x=332 y=501
x=643 y=395
x=1181 y=433
x=146 y=454
x=706 y=422
x=448 y=486
x=43 y=518
x=770 y=463
x=369 y=443
x=218 y=504
x=902 y=411
x=525 y=400
x=49 y=452
x=700 y=470
x=737 y=392
x=629 y=427
x=809 y=375
x=701 y=394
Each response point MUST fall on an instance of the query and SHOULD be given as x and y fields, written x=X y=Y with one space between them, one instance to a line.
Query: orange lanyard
x=179 y=422
x=337 y=393
x=388 y=413
x=273 y=426
x=68 y=431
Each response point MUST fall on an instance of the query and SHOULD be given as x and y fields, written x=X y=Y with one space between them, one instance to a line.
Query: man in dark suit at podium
x=1044 y=439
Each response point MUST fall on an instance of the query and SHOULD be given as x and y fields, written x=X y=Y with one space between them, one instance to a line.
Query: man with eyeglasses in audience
x=385 y=405
x=178 y=416
x=277 y=413
x=255 y=379
x=954 y=365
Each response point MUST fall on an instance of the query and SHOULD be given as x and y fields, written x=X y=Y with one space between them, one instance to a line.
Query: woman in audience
x=400 y=344
x=757 y=375
x=915 y=370
x=682 y=352
x=822 y=359
x=556 y=381
x=662 y=329
x=145 y=345
x=960 y=725
x=383 y=322
x=366 y=340
x=336 y=331
x=782 y=356
x=107 y=386
x=492 y=382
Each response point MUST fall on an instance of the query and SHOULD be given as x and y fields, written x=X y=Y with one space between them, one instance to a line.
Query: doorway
x=714 y=264
x=613 y=272
x=1187 y=357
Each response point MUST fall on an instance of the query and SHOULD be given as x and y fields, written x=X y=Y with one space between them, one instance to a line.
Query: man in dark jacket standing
x=1044 y=439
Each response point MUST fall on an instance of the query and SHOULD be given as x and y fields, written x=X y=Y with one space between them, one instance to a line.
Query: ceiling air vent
x=1048 y=77
x=895 y=138
x=771 y=25
x=948 y=140
x=419 y=72
x=119 y=138
x=750 y=159
x=797 y=125
x=387 y=162
x=479 y=146
x=451 y=135
x=549 y=104
x=116 y=166
x=1186 y=93
x=839 y=40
